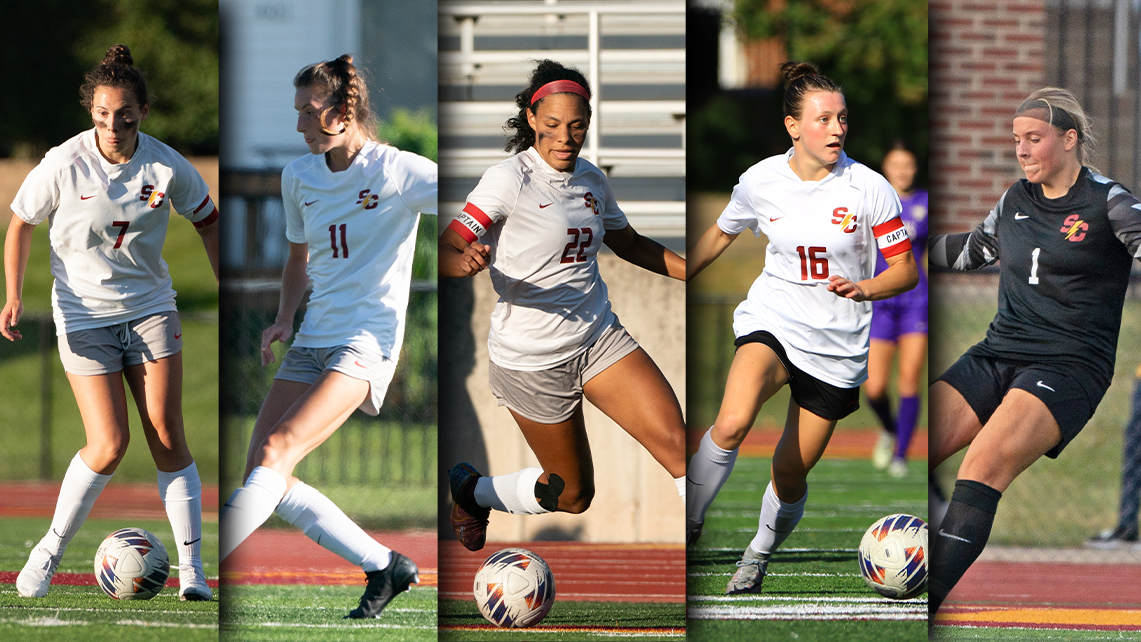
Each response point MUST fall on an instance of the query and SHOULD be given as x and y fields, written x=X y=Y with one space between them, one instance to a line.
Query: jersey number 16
x=811 y=264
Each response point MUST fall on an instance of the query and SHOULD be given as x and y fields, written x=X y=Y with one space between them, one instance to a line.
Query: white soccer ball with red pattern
x=893 y=556
x=131 y=564
x=514 y=588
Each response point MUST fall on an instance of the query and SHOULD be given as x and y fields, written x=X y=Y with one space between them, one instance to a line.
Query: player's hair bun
x=117 y=69
x=794 y=70
x=118 y=55
x=801 y=79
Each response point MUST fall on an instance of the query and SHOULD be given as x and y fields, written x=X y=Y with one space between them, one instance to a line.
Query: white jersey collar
x=114 y=170
x=542 y=168
x=836 y=173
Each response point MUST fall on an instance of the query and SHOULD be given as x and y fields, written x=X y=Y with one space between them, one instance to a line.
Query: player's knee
x=572 y=498
x=788 y=476
x=107 y=454
x=730 y=430
x=578 y=502
x=875 y=390
x=275 y=451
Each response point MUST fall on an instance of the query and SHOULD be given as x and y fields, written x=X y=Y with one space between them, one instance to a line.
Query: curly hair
x=115 y=70
x=545 y=72
x=340 y=80
x=803 y=78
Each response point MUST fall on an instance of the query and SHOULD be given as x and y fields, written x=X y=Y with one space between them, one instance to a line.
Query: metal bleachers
x=632 y=52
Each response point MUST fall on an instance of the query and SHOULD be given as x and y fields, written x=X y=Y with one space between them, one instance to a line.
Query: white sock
x=680 y=483
x=320 y=519
x=249 y=507
x=181 y=493
x=778 y=519
x=81 y=487
x=707 y=472
x=514 y=493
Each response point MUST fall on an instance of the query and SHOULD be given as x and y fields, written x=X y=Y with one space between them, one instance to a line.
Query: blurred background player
x=1125 y=532
x=900 y=323
x=554 y=337
x=805 y=322
x=352 y=211
x=107 y=194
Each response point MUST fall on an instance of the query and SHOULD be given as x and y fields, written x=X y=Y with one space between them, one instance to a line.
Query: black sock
x=882 y=408
x=961 y=537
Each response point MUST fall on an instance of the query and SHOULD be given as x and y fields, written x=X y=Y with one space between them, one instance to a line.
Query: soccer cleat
x=692 y=531
x=885 y=447
x=36 y=576
x=750 y=573
x=1119 y=536
x=469 y=519
x=385 y=584
x=897 y=468
x=192 y=586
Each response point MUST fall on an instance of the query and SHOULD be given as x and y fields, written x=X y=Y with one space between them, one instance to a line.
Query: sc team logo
x=845 y=219
x=368 y=200
x=152 y=198
x=1074 y=228
x=593 y=204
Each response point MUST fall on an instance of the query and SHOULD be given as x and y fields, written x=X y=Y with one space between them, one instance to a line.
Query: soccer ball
x=893 y=556
x=131 y=564
x=514 y=588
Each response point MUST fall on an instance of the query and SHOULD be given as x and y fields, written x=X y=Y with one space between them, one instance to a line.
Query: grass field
x=85 y=612
x=313 y=613
x=572 y=621
x=814 y=590
x=963 y=633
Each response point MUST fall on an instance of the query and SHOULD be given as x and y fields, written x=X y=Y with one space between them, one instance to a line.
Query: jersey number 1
x=811 y=264
x=344 y=242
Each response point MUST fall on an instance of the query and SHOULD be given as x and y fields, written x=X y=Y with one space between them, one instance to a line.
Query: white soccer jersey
x=108 y=225
x=815 y=229
x=360 y=226
x=544 y=228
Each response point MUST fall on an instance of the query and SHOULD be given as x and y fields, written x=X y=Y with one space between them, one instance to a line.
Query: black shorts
x=822 y=399
x=1070 y=395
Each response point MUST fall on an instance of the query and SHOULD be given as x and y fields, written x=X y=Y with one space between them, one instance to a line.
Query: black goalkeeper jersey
x=1063 y=271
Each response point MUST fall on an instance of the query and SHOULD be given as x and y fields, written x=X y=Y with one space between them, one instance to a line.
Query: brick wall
x=985 y=58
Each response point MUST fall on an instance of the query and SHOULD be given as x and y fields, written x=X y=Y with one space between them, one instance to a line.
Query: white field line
x=616 y=633
x=810 y=612
x=789 y=549
x=298 y=625
x=51 y=621
x=135 y=612
x=729 y=573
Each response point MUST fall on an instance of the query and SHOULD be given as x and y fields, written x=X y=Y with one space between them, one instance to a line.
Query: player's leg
x=102 y=405
x=1019 y=432
x=881 y=352
x=306 y=424
x=953 y=422
x=1126 y=528
x=755 y=375
x=912 y=354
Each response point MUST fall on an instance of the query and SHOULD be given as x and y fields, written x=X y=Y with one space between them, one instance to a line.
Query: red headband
x=559 y=87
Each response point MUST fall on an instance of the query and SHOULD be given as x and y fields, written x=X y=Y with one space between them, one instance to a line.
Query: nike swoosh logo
x=774 y=220
x=359 y=363
x=776 y=531
x=961 y=539
x=178 y=336
x=227 y=505
x=1042 y=385
x=1019 y=217
x=690 y=480
x=311 y=202
x=189 y=543
x=84 y=198
x=547 y=205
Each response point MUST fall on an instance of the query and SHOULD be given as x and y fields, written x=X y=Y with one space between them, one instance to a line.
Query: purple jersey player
x=900 y=323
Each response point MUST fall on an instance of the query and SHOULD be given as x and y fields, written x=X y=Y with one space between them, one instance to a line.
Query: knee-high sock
x=181 y=493
x=905 y=427
x=778 y=519
x=249 y=507
x=1131 y=465
x=323 y=522
x=81 y=487
x=680 y=483
x=514 y=493
x=882 y=408
x=708 y=469
x=961 y=537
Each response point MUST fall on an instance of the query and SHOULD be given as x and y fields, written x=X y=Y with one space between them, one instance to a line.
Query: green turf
x=956 y=633
x=566 y=614
x=815 y=568
x=84 y=612
x=314 y=614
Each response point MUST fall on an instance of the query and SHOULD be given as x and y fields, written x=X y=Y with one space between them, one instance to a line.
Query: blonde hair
x=1062 y=110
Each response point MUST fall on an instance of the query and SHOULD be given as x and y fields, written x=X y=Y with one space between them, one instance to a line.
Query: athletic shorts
x=818 y=397
x=550 y=396
x=99 y=351
x=892 y=318
x=305 y=365
x=984 y=382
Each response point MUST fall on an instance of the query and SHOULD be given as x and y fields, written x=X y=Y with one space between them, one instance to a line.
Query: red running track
x=844 y=444
x=117 y=501
x=583 y=572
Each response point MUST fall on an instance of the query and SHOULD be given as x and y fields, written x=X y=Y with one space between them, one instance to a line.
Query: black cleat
x=1120 y=536
x=692 y=531
x=385 y=584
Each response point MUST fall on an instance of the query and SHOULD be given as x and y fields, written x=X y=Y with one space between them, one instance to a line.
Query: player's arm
x=644 y=252
x=293 y=283
x=458 y=257
x=17 y=248
x=708 y=248
x=209 y=235
x=900 y=276
x=1125 y=219
x=966 y=251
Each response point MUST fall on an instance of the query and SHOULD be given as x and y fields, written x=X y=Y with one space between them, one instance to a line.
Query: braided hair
x=115 y=70
x=546 y=71
x=340 y=80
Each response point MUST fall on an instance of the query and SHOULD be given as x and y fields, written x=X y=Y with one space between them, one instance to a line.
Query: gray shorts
x=550 y=396
x=99 y=351
x=305 y=365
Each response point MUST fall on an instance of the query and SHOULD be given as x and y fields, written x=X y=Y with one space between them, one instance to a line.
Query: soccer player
x=1065 y=238
x=107 y=195
x=805 y=321
x=536 y=221
x=351 y=212
x=900 y=322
